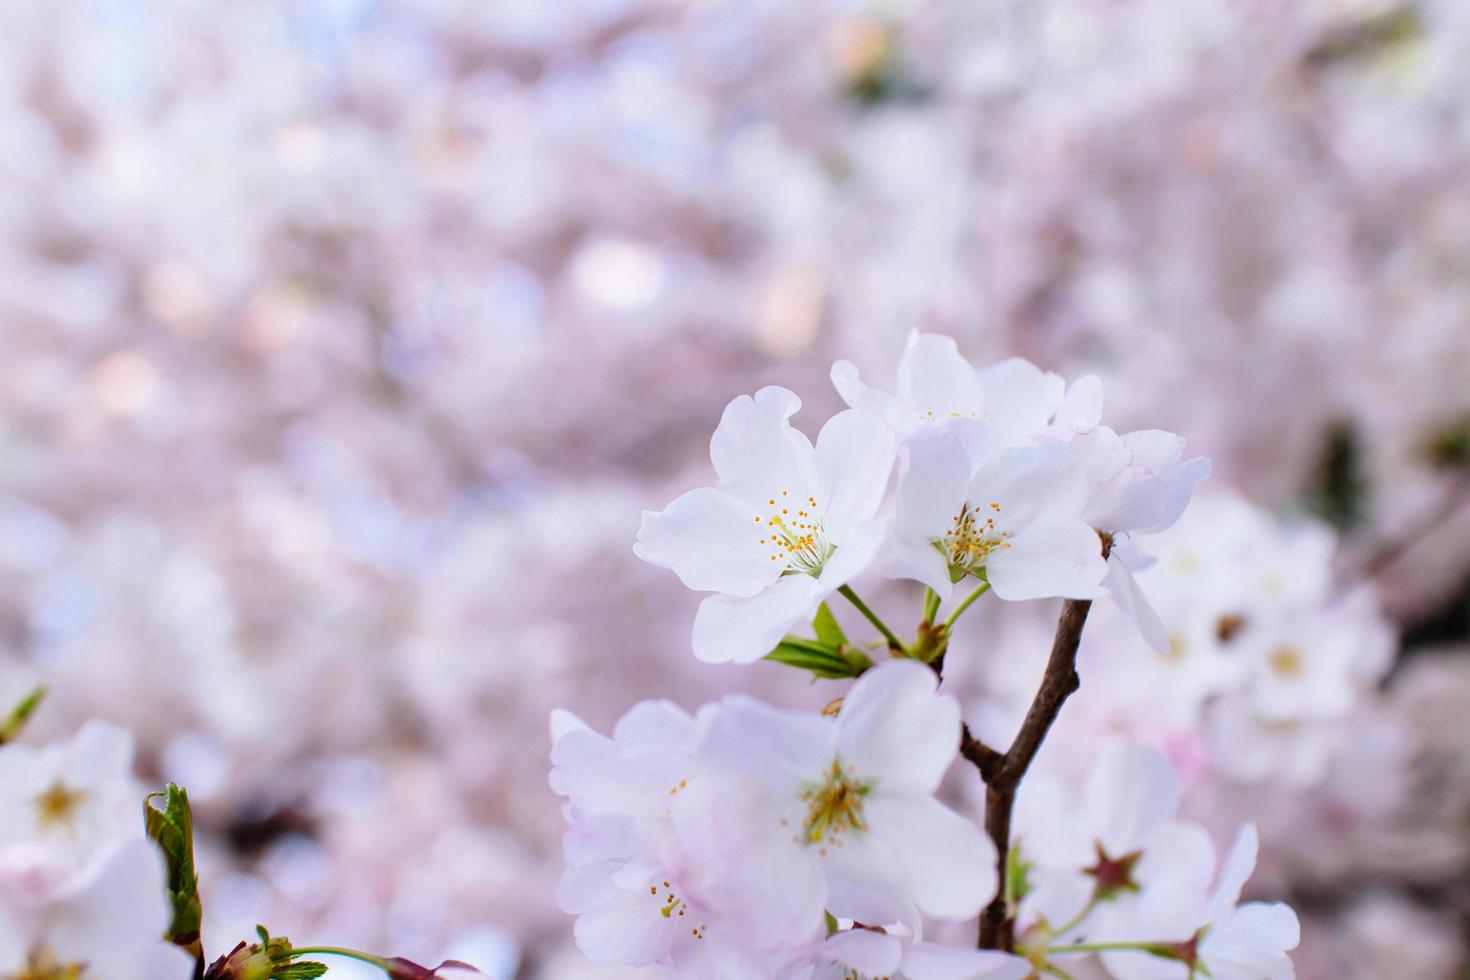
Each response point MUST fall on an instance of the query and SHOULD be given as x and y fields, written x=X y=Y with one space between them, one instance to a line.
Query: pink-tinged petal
x=654 y=726
x=936 y=381
x=745 y=735
x=1124 y=589
x=768 y=887
x=868 y=952
x=743 y=630
x=1020 y=398
x=594 y=837
x=757 y=453
x=855 y=452
x=712 y=541
x=586 y=886
x=1180 y=854
x=947 y=863
x=897 y=730
x=626 y=929
x=1252 y=943
x=1179 y=483
x=930 y=961
x=1053 y=557
x=857 y=394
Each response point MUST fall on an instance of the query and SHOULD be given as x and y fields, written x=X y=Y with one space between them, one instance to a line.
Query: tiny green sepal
x=1018 y=876
x=171 y=826
x=828 y=630
x=12 y=724
x=821 y=659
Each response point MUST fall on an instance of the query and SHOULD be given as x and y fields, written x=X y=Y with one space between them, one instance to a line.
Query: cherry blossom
x=786 y=526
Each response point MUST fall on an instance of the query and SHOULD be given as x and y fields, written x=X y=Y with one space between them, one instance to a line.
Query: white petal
x=1252 y=943
x=1053 y=557
x=1020 y=398
x=936 y=381
x=1123 y=587
x=1239 y=864
x=655 y=726
x=929 y=961
x=1081 y=407
x=947 y=863
x=857 y=394
x=712 y=541
x=757 y=453
x=1131 y=791
x=933 y=480
x=868 y=952
x=586 y=886
x=858 y=550
x=855 y=451
x=896 y=729
x=1030 y=483
x=625 y=929
x=916 y=559
x=729 y=628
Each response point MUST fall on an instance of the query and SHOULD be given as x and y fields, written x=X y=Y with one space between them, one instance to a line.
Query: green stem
x=979 y=591
x=1157 y=949
x=1077 y=919
x=893 y=641
x=931 y=604
x=350 y=954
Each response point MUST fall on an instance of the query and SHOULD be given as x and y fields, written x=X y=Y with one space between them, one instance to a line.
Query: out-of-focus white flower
x=787 y=524
x=81 y=887
x=1010 y=515
x=868 y=954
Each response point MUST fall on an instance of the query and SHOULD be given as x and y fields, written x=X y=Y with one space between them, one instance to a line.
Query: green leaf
x=828 y=630
x=822 y=660
x=12 y=724
x=305 y=970
x=171 y=826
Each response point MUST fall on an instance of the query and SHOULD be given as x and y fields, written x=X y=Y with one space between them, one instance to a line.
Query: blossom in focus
x=787 y=524
x=1011 y=515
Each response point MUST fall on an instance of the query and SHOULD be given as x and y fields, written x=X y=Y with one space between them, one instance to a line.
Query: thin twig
x=1002 y=772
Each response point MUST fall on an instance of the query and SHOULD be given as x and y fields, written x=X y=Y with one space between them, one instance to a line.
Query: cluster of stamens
x=834 y=805
x=794 y=534
x=57 y=806
x=43 y=966
x=675 y=907
x=971 y=537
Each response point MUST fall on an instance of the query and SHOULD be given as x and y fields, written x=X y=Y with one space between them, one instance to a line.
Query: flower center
x=1286 y=662
x=794 y=534
x=58 y=805
x=834 y=804
x=972 y=537
x=41 y=965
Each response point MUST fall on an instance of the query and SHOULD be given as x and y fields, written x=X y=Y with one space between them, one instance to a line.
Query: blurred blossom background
x=342 y=343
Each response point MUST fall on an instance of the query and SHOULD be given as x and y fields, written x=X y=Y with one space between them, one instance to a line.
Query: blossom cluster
x=1005 y=475
x=344 y=339
x=735 y=842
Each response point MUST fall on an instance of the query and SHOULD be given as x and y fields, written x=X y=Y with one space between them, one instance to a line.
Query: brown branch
x=1002 y=772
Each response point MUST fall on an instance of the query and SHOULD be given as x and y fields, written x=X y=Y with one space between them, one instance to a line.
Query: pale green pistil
x=835 y=804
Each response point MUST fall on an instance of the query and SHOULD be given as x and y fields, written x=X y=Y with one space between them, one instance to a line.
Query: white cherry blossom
x=787 y=524
x=1010 y=515
x=849 y=799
